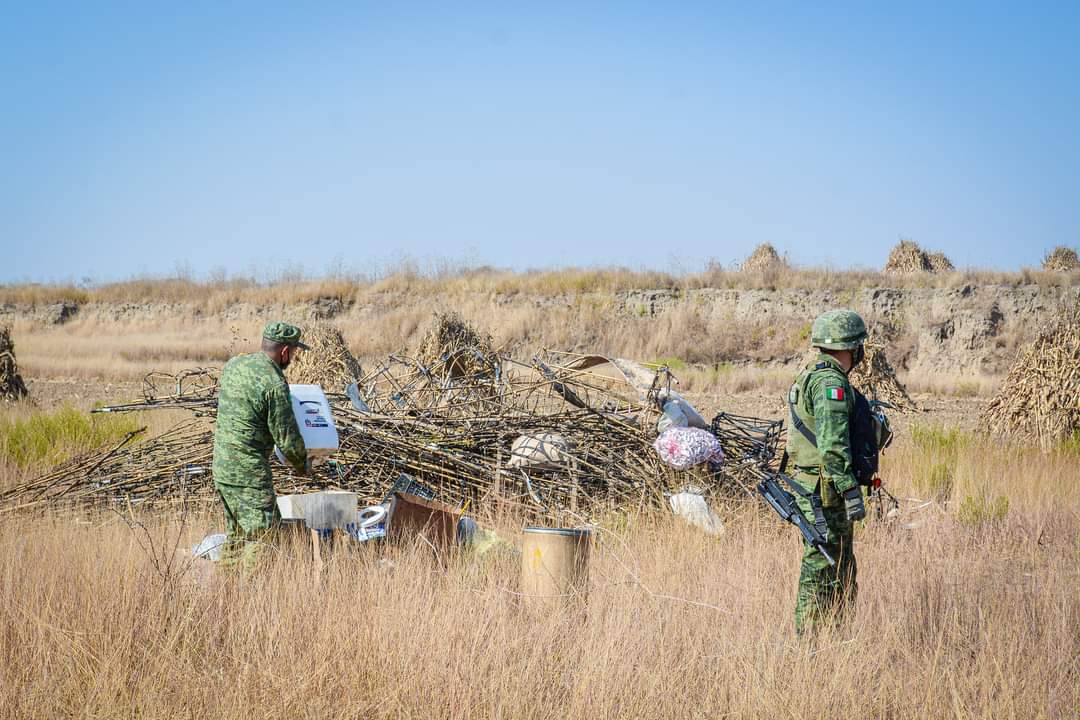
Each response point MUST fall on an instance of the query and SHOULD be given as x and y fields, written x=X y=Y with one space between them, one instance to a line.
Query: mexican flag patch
x=835 y=393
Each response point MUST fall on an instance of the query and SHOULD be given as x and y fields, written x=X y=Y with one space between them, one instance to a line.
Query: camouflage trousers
x=252 y=524
x=826 y=593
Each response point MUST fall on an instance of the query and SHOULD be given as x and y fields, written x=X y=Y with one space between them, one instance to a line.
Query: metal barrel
x=554 y=565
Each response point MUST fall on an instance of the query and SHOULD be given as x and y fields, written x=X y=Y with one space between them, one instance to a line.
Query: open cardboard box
x=411 y=516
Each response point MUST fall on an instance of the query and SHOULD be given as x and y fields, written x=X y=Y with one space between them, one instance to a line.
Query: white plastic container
x=325 y=510
x=315 y=420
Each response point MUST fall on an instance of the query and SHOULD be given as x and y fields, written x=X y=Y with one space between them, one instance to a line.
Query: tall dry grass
x=959 y=616
x=92 y=347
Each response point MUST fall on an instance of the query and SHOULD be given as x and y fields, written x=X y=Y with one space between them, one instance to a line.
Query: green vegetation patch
x=941 y=446
x=50 y=438
x=1071 y=444
x=674 y=364
x=978 y=510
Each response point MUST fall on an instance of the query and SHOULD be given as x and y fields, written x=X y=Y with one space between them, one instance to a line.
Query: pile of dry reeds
x=763 y=258
x=12 y=387
x=1040 y=398
x=1061 y=259
x=328 y=362
x=875 y=378
x=907 y=257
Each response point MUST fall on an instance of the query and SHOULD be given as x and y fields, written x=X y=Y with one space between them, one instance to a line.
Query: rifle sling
x=799 y=425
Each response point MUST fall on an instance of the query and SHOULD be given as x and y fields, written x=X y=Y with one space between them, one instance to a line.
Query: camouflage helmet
x=838 y=330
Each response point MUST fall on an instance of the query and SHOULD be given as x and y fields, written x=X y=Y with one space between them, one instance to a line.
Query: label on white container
x=316 y=423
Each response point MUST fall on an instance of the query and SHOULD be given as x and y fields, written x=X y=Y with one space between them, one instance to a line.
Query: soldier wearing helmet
x=819 y=459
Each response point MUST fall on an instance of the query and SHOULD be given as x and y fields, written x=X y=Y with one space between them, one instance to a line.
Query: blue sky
x=251 y=137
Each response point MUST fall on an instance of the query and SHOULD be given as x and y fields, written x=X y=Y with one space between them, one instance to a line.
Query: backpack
x=870 y=434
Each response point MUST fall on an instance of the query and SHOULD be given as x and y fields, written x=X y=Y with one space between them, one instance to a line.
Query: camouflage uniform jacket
x=824 y=403
x=254 y=414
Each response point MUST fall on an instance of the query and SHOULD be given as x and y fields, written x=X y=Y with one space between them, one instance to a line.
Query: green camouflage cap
x=283 y=333
x=838 y=330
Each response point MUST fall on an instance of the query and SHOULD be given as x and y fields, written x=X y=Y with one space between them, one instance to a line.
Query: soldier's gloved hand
x=853 y=503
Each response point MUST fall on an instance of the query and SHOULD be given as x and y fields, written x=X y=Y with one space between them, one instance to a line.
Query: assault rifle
x=783 y=503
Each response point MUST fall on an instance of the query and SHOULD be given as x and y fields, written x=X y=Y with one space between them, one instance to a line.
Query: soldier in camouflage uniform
x=255 y=414
x=820 y=459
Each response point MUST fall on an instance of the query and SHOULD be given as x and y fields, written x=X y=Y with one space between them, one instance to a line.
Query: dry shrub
x=328 y=363
x=1040 y=398
x=1061 y=259
x=940 y=263
x=907 y=257
x=875 y=378
x=12 y=387
x=763 y=258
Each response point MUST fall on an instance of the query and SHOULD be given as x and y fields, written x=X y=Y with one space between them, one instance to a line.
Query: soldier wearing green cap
x=819 y=457
x=255 y=414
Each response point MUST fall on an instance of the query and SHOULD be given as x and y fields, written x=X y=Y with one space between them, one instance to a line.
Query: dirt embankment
x=959 y=331
x=970 y=330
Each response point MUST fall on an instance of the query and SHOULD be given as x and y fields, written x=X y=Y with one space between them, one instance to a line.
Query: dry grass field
x=969 y=602
x=220 y=292
x=968 y=607
x=172 y=324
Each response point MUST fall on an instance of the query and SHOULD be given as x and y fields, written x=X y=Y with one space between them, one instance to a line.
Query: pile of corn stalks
x=328 y=362
x=907 y=257
x=875 y=378
x=764 y=257
x=12 y=387
x=1040 y=398
x=1061 y=259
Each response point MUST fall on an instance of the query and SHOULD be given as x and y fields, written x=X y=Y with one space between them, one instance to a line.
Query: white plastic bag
x=692 y=508
x=677 y=403
x=540 y=450
x=685 y=447
x=210 y=547
x=673 y=417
